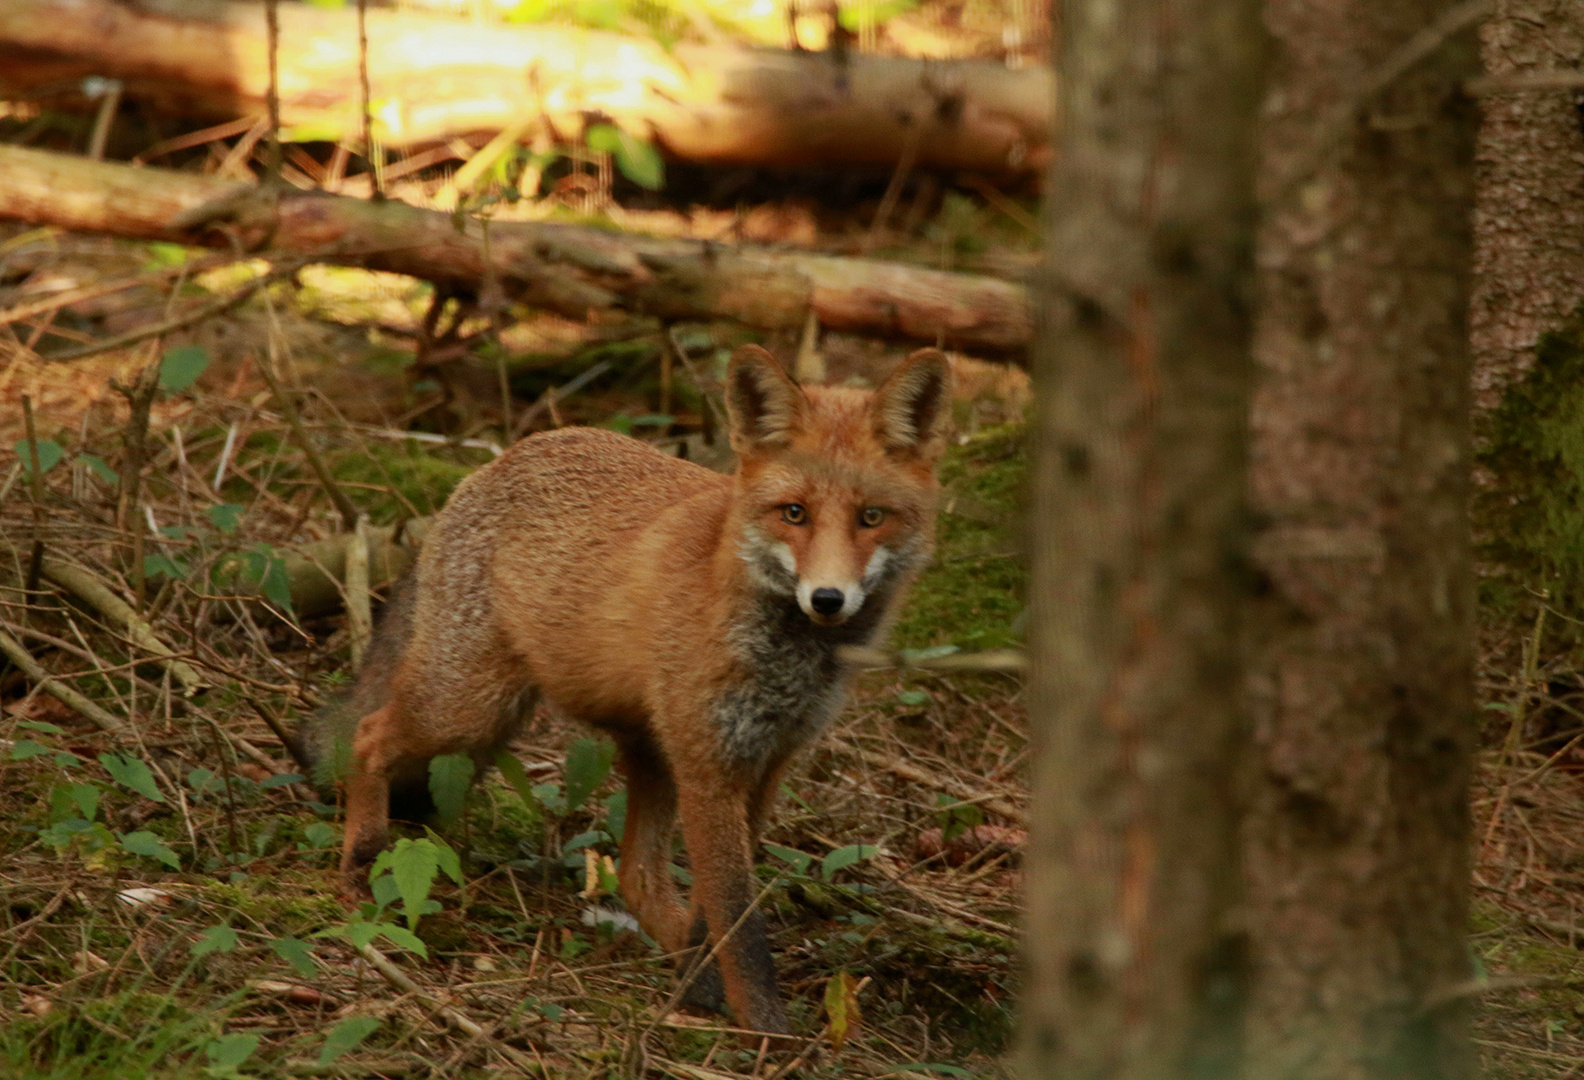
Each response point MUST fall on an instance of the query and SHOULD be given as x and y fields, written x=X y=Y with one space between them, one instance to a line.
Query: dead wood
x=576 y=271
x=434 y=78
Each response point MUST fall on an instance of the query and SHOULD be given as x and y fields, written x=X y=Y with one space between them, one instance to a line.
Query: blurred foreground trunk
x=576 y=271
x=1137 y=958
x=1357 y=836
x=434 y=78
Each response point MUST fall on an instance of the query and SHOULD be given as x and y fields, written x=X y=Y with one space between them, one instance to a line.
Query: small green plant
x=956 y=817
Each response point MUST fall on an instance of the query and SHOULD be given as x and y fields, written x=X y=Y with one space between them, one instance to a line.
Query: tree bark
x=1136 y=955
x=433 y=78
x=573 y=270
x=1356 y=842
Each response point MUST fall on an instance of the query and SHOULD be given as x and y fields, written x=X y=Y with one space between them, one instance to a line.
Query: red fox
x=692 y=616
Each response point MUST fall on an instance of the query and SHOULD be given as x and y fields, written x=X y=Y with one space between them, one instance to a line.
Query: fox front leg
x=715 y=828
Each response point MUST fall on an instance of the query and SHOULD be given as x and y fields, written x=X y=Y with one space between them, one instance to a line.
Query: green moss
x=1530 y=522
x=420 y=479
x=974 y=593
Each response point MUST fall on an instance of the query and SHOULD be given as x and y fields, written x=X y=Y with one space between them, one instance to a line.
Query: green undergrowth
x=973 y=596
x=1529 y=518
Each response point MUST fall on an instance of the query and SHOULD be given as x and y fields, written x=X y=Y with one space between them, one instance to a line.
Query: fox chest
x=789 y=687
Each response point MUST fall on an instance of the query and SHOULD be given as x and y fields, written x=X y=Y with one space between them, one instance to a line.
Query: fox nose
x=827 y=601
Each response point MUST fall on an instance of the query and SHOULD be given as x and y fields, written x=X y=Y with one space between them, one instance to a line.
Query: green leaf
x=86 y=798
x=181 y=366
x=800 y=860
x=548 y=795
x=654 y=420
x=270 y=571
x=588 y=763
x=281 y=780
x=219 y=938
x=450 y=776
x=132 y=773
x=320 y=835
x=616 y=815
x=296 y=953
x=515 y=775
x=914 y=698
x=412 y=864
x=158 y=565
x=164 y=254
x=403 y=937
x=150 y=846
x=97 y=466
x=859 y=17
x=23 y=749
x=450 y=861
x=345 y=1036
x=226 y=517
x=637 y=158
x=49 y=455
x=41 y=725
x=227 y=1053
x=844 y=857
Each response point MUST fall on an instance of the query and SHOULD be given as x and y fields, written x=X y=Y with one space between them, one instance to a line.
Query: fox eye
x=871 y=516
x=794 y=514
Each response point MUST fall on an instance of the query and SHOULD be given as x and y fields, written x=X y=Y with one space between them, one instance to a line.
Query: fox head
x=836 y=487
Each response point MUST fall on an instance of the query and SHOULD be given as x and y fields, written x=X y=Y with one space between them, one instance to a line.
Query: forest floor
x=168 y=889
x=167 y=897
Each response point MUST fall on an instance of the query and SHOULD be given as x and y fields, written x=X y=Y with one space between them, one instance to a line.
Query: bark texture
x=433 y=78
x=1529 y=213
x=1137 y=962
x=574 y=270
x=1356 y=843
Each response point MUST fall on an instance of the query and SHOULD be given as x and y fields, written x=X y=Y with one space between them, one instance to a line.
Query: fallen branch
x=435 y=78
x=576 y=271
x=89 y=589
x=57 y=689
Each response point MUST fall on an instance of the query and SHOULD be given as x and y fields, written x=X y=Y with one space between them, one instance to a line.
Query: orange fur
x=677 y=609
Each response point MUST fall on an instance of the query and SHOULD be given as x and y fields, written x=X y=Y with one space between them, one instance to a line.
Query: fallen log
x=433 y=78
x=576 y=271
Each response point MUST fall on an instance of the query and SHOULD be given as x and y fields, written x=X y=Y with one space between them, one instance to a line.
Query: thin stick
x=376 y=167
x=359 y=617
x=36 y=487
x=272 y=28
x=457 y=1019
x=696 y=969
x=108 y=105
x=55 y=688
x=348 y=509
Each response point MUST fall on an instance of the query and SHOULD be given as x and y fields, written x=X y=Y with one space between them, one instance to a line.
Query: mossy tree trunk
x=1136 y=958
x=1357 y=839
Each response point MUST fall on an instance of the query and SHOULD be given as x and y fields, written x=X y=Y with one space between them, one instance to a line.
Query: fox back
x=697 y=618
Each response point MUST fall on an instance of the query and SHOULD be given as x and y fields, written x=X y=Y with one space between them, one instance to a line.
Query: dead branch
x=441 y=77
x=575 y=271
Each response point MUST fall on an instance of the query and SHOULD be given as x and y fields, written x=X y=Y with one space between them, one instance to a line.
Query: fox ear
x=912 y=406
x=763 y=406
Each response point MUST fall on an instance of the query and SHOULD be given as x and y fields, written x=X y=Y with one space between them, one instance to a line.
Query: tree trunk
x=1136 y=954
x=432 y=78
x=574 y=270
x=1356 y=844
x=1529 y=211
